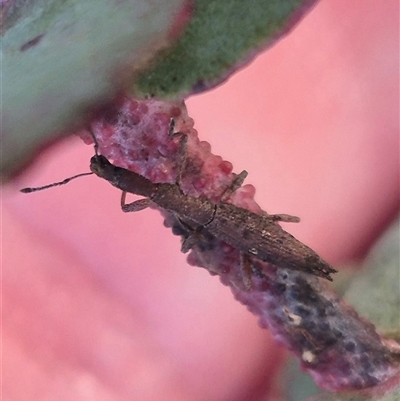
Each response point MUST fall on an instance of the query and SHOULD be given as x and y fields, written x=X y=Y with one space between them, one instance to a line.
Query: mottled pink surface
x=101 y=305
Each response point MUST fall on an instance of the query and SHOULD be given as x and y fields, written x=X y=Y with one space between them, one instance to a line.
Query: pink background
x=101 y=305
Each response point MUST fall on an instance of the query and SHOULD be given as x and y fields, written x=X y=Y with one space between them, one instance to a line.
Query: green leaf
x=391 y=395
x=375 y=290
x=221 y=36
x=61 y=59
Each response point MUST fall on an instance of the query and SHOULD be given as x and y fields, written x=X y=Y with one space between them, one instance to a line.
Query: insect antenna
x=96 y=144
x=54 y=184
x=67 y=180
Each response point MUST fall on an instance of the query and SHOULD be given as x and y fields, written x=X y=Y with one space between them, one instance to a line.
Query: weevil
x=255 y=235
x=252 y=234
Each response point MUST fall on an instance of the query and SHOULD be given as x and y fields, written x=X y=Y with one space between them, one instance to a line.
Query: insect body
x=253 y=234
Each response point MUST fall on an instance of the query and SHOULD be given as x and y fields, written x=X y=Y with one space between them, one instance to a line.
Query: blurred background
x=102 y=305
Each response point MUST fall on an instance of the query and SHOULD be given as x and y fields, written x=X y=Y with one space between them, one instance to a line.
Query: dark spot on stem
x=31 y=43
x=199 y=87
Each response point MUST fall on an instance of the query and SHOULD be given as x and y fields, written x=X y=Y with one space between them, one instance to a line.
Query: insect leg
x=235 y=184
x=182 y=156
x=181 y=152
x=189 y=242
x=246 y=269
x=286 y=218
x=134 y=206
x=193 y=236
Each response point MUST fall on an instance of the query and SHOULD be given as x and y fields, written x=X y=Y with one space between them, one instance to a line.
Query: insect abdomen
x=261 y=237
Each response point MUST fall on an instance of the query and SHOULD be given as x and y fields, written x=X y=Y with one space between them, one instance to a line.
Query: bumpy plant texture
x=339 y=349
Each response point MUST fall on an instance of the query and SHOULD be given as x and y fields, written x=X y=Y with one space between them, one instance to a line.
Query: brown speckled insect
x=255 y=235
